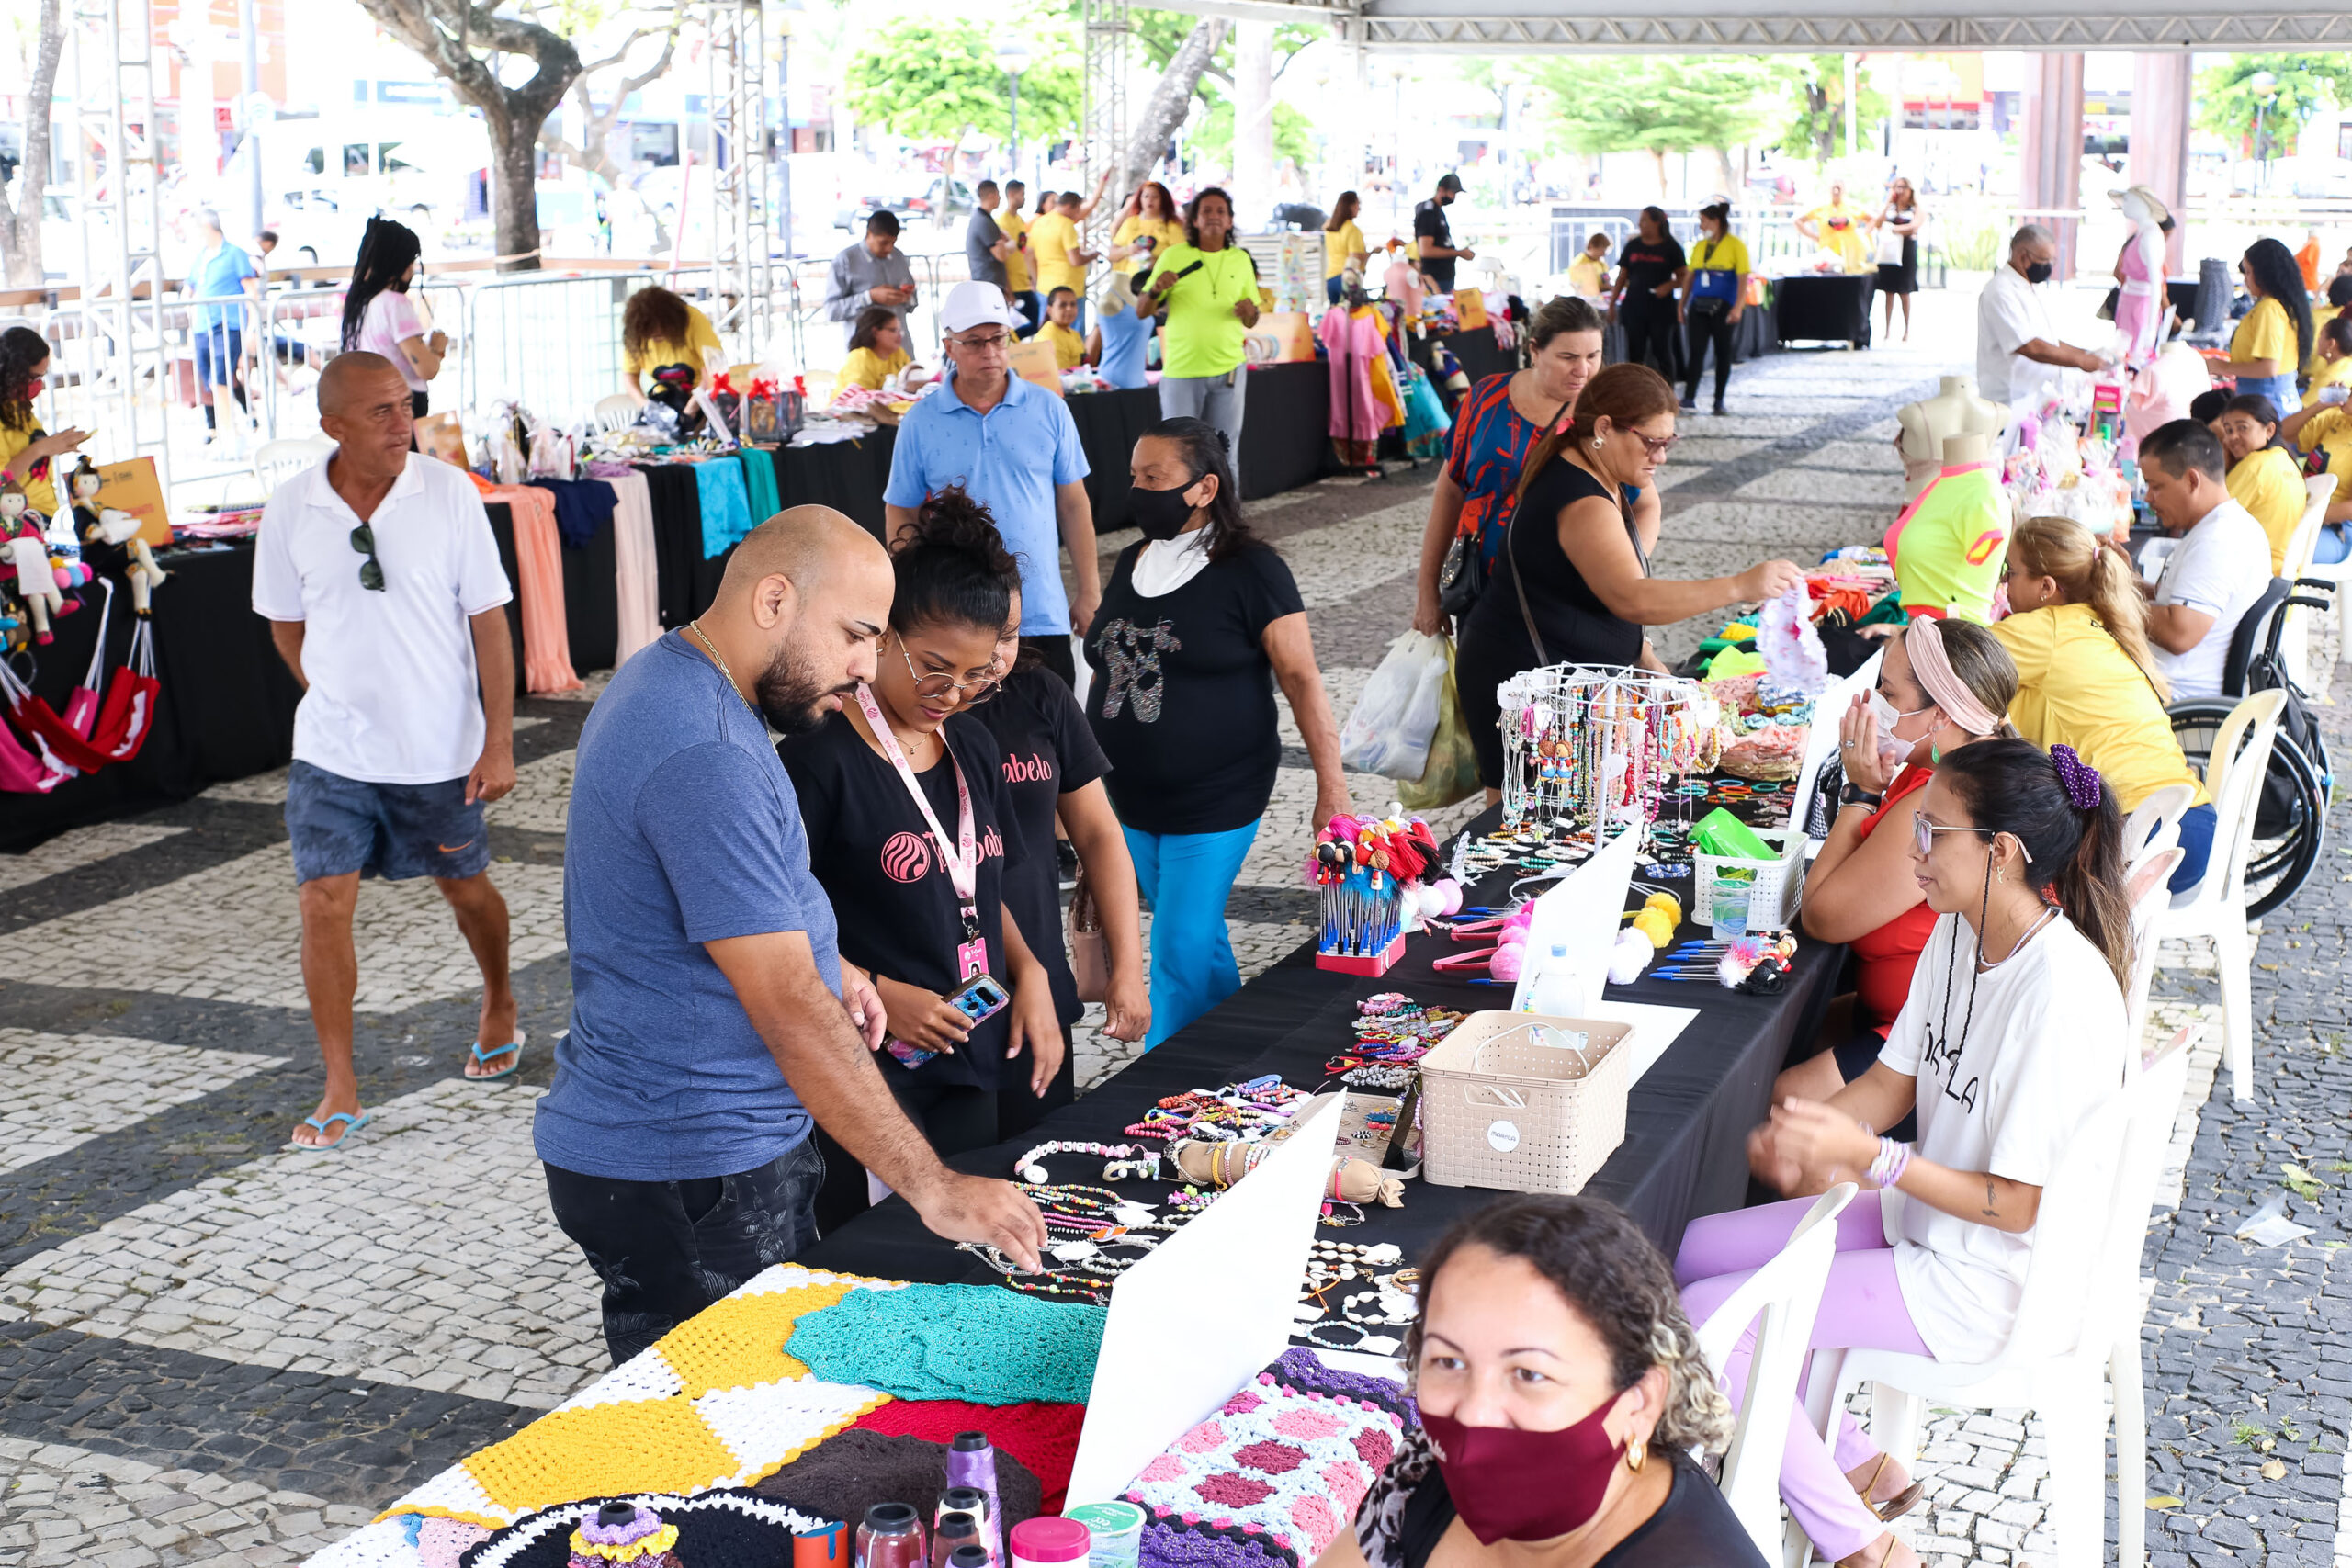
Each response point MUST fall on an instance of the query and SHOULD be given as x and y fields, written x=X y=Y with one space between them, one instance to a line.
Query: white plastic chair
x=616 y=412
x=2294 y=636
x=2146 y=883
x=2215 y=907
x=2077 y=1324
x=274 y=462
x=1780 y=1299
x=2163 y=807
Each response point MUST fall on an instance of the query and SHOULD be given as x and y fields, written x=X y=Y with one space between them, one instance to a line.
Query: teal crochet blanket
x=980 y=1343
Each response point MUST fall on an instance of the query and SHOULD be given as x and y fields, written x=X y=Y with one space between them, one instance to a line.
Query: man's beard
x=789 y=695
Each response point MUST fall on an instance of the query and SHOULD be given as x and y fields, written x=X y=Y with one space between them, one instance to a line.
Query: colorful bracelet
x=1893 y=1159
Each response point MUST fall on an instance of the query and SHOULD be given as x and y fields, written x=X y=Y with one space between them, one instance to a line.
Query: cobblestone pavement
x=211 y=1347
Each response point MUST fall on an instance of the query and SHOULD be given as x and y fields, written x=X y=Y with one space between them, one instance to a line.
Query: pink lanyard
x=963 y=863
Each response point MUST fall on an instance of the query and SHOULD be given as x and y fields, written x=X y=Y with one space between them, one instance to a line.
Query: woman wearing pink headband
x=1941 y=685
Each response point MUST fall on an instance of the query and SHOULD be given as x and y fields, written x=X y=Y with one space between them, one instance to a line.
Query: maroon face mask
x=1513 y=1486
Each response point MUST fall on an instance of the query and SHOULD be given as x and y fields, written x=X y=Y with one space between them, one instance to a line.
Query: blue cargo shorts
x=395 y=831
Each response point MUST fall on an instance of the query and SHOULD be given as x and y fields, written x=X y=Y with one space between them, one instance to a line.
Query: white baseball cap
x=970 y=305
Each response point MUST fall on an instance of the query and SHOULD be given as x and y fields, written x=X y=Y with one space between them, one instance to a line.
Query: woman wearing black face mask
x=1561 y=1389
x=1192 y=624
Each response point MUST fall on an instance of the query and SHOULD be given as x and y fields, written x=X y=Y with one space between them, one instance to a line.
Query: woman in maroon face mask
x=1560 y=1389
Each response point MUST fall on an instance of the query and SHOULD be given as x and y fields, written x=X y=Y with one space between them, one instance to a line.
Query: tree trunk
x=514 y=199
x=20 y=218
x=1658 y=155
x=1730 y=175
x=1164 y=111
x=1253 y=122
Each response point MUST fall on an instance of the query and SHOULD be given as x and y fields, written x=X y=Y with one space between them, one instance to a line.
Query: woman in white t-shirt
x=2012 y=1036
x=379 y=318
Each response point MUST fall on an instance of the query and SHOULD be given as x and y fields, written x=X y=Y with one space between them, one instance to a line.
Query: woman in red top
x=1942 y=684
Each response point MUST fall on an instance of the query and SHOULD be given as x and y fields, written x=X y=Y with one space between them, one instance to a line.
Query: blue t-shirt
x=684 y=830
x=1123 y=337
x=1011 y=459
x=222 y=272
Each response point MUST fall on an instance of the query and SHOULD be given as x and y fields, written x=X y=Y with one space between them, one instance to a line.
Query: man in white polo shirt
x=2018 y=351
x=380 y=578
x=2216 y=573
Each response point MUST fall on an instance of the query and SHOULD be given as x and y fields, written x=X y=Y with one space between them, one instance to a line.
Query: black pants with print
x=667 y=1249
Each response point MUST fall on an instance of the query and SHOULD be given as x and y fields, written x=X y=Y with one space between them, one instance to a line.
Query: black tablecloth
x=1823 y=306
x=1480 y=354
x=1285 y=428
x=226 y=709
x=1108 y=424
x=1686 y=1122
x=1754 y=335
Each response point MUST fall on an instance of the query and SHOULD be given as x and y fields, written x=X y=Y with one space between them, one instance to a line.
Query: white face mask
x=1893 y=749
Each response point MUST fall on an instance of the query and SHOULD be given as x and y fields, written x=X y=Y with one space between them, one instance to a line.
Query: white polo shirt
x=2220 y=567
x=2011 y=313
x=392 y=697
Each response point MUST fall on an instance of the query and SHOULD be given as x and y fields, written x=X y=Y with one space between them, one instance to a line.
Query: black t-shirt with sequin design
x=1183 y=694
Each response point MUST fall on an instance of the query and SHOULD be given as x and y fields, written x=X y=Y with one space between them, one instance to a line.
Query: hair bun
x=2082 y=780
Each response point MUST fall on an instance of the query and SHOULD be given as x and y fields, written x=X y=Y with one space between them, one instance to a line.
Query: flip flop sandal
x=483 y=1057
x=1894 y=1507
x=320 y=1125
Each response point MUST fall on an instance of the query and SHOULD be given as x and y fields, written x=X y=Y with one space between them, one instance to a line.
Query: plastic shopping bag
x=1452 y=771
x=1389 y=731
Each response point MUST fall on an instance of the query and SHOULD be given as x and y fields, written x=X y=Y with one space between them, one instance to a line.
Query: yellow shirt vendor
x=864 y=368
x=654 y=353
x=2269 y=484
x=1012 y=226
x=1201 y=335
x=1163 y=233
x=2075 y=685
x=2267 y=332
x=1340 y=246
x=1053 y=244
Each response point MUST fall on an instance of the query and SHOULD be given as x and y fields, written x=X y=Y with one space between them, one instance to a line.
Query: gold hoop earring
x=1637 y=1454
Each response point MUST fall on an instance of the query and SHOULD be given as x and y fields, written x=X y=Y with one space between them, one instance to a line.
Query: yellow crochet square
x=650 y=1445
x=739 y=1342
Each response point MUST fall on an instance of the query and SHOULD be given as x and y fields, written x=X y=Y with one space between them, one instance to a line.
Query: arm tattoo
x=1990 y=1213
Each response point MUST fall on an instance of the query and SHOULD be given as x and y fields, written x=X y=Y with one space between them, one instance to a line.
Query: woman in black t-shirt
x=1196 y=625
x=1560 y=1386
x=1052 y=766
x=906 y=916
x=1572 y=546
x=1649 y=273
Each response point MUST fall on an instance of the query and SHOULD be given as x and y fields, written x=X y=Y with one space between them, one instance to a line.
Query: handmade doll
x=23 y=537
x=110 y=538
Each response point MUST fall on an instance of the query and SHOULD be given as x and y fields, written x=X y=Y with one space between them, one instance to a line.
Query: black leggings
x=1700 y=331
x=1649 y=333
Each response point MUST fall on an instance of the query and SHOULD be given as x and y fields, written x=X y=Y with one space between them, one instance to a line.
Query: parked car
x=957 y=199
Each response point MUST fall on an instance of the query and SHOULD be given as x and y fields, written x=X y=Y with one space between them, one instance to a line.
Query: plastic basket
x=1498 y=1109
x=1779 y=883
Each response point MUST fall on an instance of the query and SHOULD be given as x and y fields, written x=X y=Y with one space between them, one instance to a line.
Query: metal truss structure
x=1105 y=111
x=119 y=346
x=742 y=172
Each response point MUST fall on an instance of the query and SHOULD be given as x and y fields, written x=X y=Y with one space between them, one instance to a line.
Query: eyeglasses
x=980 y=344
x=1923 y=836
x=1660 y=446
x=371 y=570
x=938 y=683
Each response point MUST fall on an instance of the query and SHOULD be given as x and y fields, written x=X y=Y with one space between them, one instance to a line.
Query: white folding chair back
x=616 y=412
x=2294 y=635
x=2077 y=1328
x=1780 y=1299
x=274 y=462
x=2146 y=886
x=2215 y=908
x=2161 y=806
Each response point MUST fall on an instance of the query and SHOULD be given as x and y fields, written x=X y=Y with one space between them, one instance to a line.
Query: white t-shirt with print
x=390 y=320
x=2043 y=1047
x=392 y=697
x=2220 y=567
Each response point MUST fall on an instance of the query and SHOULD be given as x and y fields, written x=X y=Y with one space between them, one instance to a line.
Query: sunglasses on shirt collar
x=371 y=570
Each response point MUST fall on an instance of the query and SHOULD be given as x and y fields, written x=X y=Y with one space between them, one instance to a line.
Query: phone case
x=980 y=996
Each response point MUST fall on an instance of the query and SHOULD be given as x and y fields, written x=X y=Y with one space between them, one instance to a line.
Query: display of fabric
x=851 y=1471
x=636 y=570
x=1042 y=1437
x=1275 y=1472
x=546 y=641
x=716 y=1530
x=581 y=506
x=1426 y=425
x=716 y=1403
x=677 y=536
x=759 y=481
x=726 y=504
x=974 y=1342
x=1351 y=341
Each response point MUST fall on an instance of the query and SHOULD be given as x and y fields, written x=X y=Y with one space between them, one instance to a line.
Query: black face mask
x=1161 y=514
x=2038 y=272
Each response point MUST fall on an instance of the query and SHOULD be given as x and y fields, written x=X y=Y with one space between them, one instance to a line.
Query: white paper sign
x=1582 y=915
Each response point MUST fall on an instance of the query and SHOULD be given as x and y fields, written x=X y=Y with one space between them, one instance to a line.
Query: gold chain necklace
x=719 y=658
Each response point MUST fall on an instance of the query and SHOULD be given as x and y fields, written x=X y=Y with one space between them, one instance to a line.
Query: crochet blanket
x=1274 y=1475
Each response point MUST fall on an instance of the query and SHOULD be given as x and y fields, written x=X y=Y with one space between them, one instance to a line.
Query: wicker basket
x=1498 y=1109
x=1779 y=883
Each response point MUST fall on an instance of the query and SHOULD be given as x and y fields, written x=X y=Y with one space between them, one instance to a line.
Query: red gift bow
x=763 y=387
x=720 y=383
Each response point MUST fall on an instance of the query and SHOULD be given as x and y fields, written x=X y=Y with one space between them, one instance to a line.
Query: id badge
x=972 y=958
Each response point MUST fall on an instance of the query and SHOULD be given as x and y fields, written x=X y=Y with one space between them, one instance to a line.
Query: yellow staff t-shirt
x=1011 y=225
x=1341 y=243
x=2075 y=685
x=2268 y=484
x=1051 y=239
x=2267 y=332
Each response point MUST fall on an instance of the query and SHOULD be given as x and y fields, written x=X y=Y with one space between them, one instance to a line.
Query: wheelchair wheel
x=2291 y=823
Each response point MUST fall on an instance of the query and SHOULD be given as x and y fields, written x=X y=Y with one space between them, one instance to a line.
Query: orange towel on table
x=538 y=559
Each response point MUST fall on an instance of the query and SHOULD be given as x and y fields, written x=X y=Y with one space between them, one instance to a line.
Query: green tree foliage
x=1293 y=133
x=1161 y=33
x=931 y=80
x=1656 y=104
x=2227 y=103
x=1815 y=125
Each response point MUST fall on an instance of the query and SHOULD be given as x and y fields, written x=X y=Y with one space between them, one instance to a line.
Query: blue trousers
x=2197 y=825
x=1186 y=878
x=2280 y=390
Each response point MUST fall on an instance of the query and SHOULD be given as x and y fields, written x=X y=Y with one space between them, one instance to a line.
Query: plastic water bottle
x=1558 y=991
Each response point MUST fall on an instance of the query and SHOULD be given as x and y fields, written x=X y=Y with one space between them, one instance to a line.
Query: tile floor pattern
x=217 y=1349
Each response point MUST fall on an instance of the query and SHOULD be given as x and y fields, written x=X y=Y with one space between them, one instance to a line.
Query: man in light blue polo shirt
x=1014 y=448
